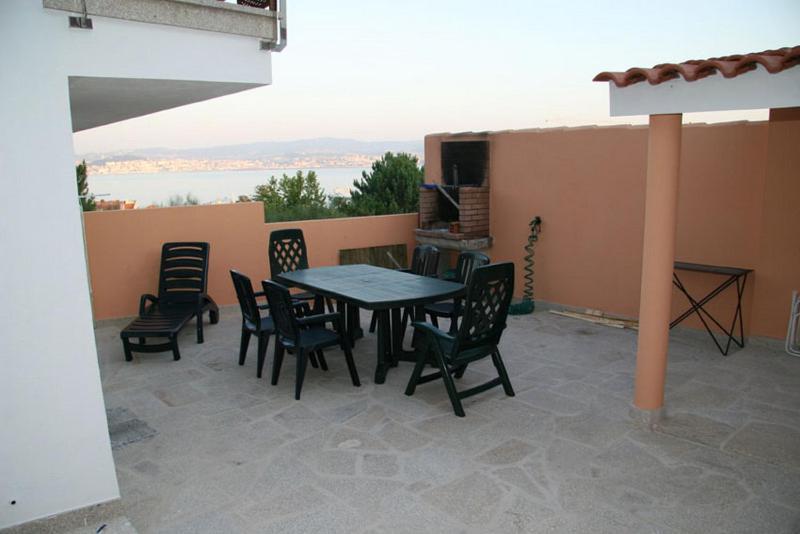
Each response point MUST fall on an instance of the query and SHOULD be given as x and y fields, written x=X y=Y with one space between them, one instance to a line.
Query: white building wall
x=54 y=447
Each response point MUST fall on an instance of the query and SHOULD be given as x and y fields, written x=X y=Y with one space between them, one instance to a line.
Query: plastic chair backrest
x=281 y=310
x=425 y=260
x=287 y=251
x=486 y=306
x=246 y=298
x=467 y=262
x=183 y=274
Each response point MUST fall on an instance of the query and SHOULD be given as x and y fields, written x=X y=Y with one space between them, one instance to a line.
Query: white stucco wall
x=54 y=448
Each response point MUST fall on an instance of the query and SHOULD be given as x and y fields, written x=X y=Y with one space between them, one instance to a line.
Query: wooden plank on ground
x=593 y=316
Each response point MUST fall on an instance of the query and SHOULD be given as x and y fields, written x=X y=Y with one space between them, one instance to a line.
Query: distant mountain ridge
x=262 y=150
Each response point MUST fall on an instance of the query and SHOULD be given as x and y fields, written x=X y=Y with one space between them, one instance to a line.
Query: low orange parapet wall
x=124 y=247
x=737 y=206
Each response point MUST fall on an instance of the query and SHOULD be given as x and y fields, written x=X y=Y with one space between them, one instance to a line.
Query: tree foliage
x=391 y=187
x=298 y=190
x=294 y=197
x=86 y=199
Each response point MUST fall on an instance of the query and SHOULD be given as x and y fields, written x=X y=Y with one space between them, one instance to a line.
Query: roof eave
x=757 y=89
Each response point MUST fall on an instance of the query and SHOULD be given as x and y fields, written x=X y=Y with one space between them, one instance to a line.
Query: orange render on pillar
x=661 y=207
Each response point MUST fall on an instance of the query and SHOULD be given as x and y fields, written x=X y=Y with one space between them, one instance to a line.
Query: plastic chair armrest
x=430 y=330
x=320 y=318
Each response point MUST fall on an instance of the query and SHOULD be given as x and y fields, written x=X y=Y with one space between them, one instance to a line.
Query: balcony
x=209 y=15
x=133 y=58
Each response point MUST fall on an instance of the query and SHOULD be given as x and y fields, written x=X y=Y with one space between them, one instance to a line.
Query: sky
x=387 y=70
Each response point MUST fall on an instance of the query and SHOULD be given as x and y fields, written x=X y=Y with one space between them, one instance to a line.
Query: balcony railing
x=263 y=19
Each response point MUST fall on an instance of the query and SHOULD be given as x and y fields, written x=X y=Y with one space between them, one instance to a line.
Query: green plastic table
x=385 y=291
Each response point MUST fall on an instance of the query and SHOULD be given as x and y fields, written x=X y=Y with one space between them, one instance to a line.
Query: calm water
x=209 y=186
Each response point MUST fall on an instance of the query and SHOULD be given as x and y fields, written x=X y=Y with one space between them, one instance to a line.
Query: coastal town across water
x=148 y=177
x=207 y=187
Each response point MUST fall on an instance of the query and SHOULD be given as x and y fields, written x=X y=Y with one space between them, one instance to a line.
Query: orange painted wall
x=737 y=205
x=778 y=264
x=124 y=247
x=124 y=250
x=587 y=184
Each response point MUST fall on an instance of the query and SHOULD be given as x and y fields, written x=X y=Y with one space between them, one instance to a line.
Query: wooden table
x=385 y=291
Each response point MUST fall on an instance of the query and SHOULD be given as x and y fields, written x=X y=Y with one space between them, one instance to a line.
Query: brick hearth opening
x=437 y=215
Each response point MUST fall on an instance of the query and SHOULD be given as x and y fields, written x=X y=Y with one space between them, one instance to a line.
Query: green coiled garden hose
x=526 y=305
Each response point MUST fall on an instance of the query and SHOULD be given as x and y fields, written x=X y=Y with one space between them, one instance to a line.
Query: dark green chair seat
x=317 y=336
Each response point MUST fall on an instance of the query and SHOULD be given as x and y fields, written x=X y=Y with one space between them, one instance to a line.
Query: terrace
x=201 y=445
x=211 y=448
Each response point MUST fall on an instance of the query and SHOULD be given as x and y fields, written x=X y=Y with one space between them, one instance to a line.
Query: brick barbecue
x=472 y=216
x=455 y=213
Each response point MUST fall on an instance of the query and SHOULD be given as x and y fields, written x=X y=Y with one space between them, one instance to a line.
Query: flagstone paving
x=215 y=449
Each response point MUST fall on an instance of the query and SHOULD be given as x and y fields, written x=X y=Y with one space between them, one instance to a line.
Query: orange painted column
x=661 y=207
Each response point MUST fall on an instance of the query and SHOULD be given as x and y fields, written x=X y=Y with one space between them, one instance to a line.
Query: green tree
x=339 y=203
x=86 y=199
x=391 y=187
x=294 y=197
x=270 y=194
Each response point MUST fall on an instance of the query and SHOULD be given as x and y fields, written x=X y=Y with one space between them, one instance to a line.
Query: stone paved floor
x=233 y=454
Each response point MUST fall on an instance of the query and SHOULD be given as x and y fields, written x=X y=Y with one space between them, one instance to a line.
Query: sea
x=208 y=186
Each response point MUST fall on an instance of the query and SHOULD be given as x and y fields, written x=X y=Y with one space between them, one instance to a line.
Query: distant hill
x=327 y=146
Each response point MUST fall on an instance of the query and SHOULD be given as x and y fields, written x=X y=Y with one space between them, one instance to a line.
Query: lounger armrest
x=143 y=307
x=203 y=298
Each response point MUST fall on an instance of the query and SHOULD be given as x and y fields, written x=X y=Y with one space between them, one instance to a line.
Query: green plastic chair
x=484 y=319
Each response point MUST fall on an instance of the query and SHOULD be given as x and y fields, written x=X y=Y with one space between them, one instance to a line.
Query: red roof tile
x=730 y=66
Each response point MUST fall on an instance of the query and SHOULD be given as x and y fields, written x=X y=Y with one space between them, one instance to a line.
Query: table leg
x=384 y=346
x=341 y=309
x=739 y=293
x=355 y=320
x=697 y=307
x=397 y=335
x=418 y=315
